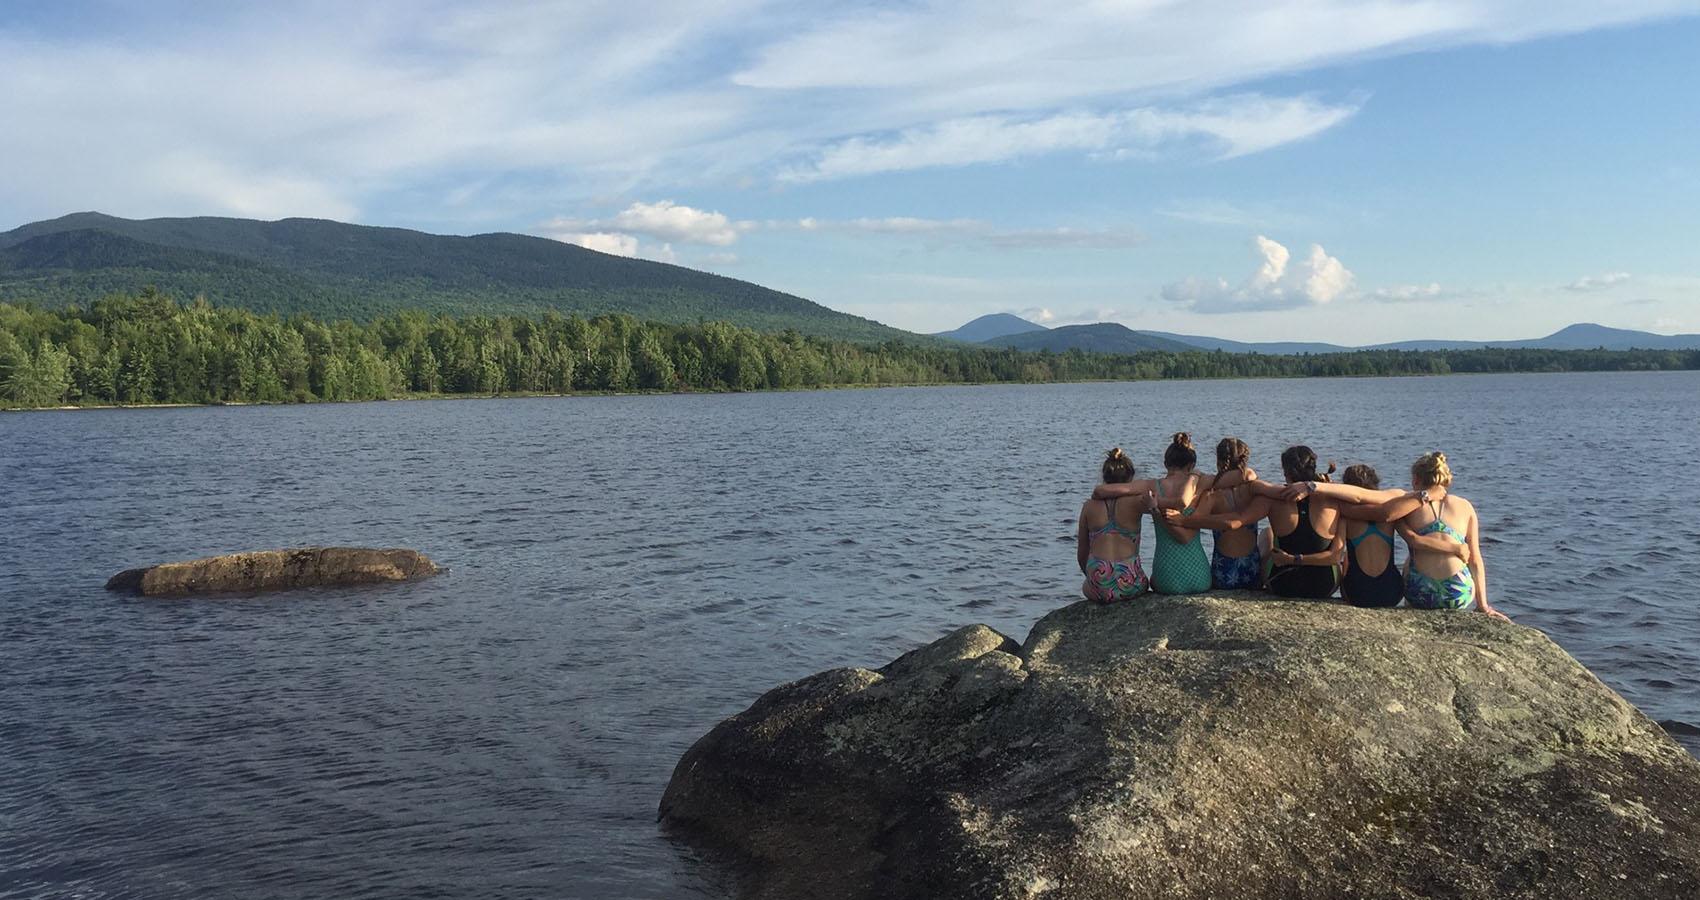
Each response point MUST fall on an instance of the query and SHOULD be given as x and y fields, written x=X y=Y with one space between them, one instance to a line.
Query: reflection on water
x=627 y=571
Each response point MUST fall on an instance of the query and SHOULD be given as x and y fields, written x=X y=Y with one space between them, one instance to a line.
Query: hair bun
x=1440 y=457
x=1115 y=453
x=1183 y=439
x=1331 y=468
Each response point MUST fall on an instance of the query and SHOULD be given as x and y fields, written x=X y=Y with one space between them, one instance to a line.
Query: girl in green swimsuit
x=1179 y=565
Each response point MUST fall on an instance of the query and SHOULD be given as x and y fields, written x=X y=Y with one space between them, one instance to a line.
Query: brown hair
x=1180 y=454
x=1117 y=467
x=1431 y=470
x=1232 y=453
x=1362 y=476
x=1299 y=464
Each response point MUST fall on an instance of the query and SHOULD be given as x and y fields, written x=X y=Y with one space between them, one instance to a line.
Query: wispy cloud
x=964 y=230
x=342 y=109
x=1225 y=127
x=1592 y=283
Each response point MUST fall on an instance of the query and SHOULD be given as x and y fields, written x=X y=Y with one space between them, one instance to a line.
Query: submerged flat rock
x=275 y=570
x=1201 y=747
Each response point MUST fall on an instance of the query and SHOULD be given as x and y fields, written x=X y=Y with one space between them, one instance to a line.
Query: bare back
x=1112 y=543
x=1457 y=518
x=1184 y=487
x=1373 y=555
x=1237 y=542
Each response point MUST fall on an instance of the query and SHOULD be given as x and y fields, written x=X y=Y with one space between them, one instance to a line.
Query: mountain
x=986 y=328
x=1271 y=347
x=1107 y=337
x=333 y=270
x=1103 y=337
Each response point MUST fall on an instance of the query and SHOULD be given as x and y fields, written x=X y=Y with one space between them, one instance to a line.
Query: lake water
x=626 y=571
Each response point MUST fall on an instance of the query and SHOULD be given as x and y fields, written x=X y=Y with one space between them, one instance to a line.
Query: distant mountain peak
x=989 y=327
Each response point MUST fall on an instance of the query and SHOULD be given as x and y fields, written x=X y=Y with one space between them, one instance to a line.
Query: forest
x=148 y=348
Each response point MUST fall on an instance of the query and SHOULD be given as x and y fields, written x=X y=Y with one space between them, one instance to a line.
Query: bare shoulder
x=1462 y=505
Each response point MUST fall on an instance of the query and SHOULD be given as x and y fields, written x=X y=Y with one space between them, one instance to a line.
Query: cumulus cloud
x=1592 y=283
x=670 y=221
x=663 y=221
x=1278 y=283
x=602 y=242
x=1225 y=127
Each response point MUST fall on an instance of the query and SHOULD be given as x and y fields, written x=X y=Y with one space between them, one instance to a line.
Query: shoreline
x=532 y=395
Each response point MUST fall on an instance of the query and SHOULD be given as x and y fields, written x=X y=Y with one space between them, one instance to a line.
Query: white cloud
x=1278 y=283
x=1593 y=283
x=616 y=243
x=1225 y=127
x=1400 y=293
x=1038 y=315
x=963 y=230
x=603 y=242
x=663 y=221
x=669 y=221
x=520 y=107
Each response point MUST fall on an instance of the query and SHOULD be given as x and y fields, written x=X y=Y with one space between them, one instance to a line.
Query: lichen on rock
x=1193 y=747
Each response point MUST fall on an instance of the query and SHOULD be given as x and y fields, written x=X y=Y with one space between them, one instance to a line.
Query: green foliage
x=332 y=270
x=148 y=348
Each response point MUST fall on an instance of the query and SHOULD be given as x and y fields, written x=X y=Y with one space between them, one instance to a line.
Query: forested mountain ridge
x=333 y=270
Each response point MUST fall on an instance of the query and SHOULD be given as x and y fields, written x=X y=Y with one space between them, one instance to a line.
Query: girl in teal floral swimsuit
x=1441 y=581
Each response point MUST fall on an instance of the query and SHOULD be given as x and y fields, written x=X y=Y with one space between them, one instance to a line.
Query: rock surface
x=275 y=570
x=1201 y=747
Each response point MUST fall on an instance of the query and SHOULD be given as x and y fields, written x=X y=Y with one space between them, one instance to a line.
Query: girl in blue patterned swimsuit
x=1235 y=563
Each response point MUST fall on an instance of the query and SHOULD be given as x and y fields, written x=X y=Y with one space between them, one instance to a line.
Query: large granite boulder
x=1201 y=747
x=275 y=570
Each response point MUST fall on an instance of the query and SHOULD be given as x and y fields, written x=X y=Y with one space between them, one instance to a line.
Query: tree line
x=148 y=348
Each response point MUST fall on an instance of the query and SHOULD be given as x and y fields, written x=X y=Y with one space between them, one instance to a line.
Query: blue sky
x=1290 y=169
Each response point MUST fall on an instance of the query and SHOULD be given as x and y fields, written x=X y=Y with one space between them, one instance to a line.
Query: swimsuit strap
x=1439 y=524
x=1372 y=529
x=1112 y=525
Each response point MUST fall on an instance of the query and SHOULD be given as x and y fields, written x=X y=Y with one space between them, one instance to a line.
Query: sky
x=1281 y=170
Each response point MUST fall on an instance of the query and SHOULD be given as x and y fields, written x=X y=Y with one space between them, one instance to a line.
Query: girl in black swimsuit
x=1359 y=586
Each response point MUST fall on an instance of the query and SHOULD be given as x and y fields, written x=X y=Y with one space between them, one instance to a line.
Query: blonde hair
x=1117 y=467
x=1431 y=470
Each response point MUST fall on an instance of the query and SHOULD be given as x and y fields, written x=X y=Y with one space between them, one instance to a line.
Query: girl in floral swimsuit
x=1107 y=541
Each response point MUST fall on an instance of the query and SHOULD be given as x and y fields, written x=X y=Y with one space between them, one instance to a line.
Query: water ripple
x=624 y=572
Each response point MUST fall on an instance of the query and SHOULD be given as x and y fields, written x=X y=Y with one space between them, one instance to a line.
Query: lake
x=627 y=571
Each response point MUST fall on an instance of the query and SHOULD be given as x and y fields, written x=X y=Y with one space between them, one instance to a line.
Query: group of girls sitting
x=1322 y=537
